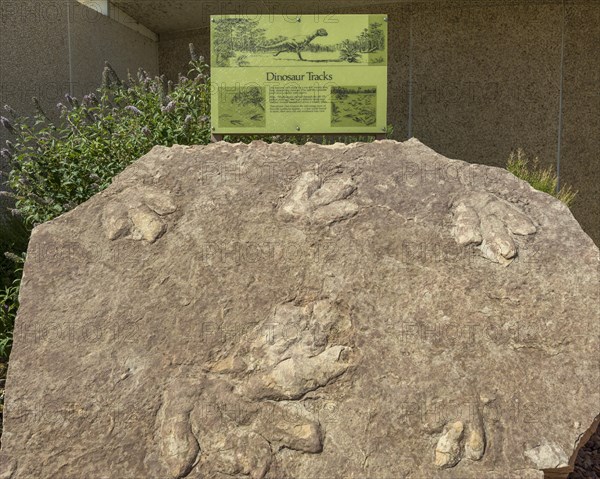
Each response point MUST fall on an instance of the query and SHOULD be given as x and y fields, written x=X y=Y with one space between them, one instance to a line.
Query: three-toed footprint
x=318 y=201
x=490 y=222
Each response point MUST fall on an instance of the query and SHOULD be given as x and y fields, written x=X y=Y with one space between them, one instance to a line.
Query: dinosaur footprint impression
x=293 y=353
x=459 y=441
x=485 y=220
x=249 y=405
x=142 y=220
x=320 y=202
x=458 y=437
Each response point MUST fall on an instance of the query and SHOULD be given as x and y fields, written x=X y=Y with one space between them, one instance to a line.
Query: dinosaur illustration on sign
x=297 y=44
x=246 y=42
x=299 y=74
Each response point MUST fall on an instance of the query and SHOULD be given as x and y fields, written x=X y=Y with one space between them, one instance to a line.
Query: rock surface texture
x=276 y=311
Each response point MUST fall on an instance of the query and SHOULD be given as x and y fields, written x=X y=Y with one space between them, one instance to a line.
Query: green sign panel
x=299 y=74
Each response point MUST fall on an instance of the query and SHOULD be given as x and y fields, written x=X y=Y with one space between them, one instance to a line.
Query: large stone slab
x=371 y=310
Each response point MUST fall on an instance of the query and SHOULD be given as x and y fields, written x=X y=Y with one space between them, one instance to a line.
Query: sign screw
x=213 y=128
x=385 y=19
x=298 y=19
x=297 y=128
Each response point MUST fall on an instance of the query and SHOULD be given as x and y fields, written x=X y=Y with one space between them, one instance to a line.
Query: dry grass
x=540 y=178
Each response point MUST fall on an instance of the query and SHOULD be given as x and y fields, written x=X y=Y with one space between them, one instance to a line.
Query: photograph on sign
x=305 y=74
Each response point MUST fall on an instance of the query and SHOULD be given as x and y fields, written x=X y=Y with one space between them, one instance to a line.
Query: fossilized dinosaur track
x=234 y=435
x=485 y=220
x=294 y=351
x=318 y=201
x=139 y=220
x=291 y=354
x=179 y=447
x=460 y=439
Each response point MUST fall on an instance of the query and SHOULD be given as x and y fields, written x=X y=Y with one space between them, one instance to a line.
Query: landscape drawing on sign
x=242 y=106
x=242 y=42
x=353 y=106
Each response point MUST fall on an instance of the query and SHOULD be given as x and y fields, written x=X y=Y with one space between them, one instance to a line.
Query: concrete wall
x=52 y=47
x=34 y=53
x=173 y=50
x=580 y=147
x=96 y=38
x=486 y=79
x=476 y=79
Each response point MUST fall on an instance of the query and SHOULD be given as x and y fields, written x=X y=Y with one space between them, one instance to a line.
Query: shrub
x=371 y=39
x=13 y=243
x=13 y=238
x=58 y=165
x=350 y=52
x=250 y=96
x=540 y=178
x=9 y=303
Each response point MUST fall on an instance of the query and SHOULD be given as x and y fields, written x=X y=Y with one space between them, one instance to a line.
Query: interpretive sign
x=299 y=74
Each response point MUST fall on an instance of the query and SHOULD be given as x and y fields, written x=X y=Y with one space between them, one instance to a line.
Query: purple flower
x=187 y=122
x=193 y=53
x=7 y=124
x=106 y=77
x=4 y=153
x=134 y=110
x=90 y=100
x=146 y=131
x=111 y=73
x=169 y=108
x=204 y=118
x=10 y=110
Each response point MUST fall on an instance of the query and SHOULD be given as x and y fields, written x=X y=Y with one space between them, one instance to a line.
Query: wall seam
x=69 y=50
x=560 y=95
x=410 y=70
